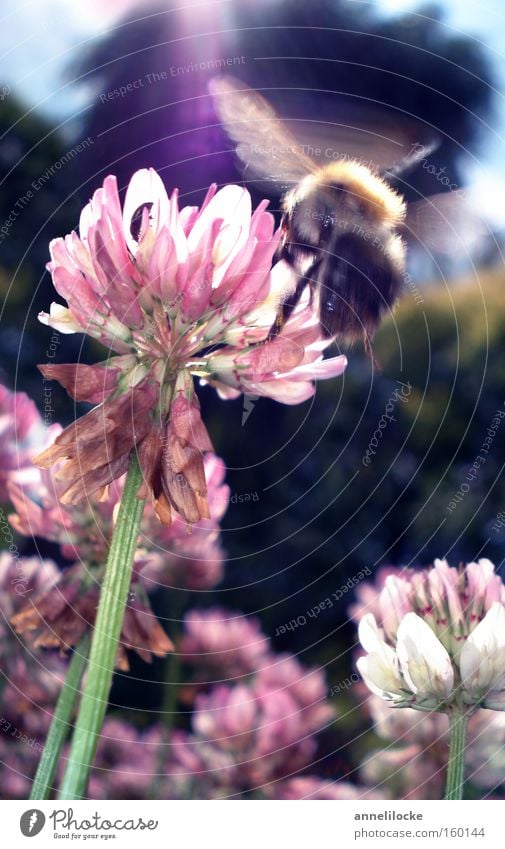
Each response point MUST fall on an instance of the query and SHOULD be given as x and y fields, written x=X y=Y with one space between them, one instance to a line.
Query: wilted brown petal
x=149 y=454
x=143 y=633
x=83 y=382
x=94 y=481
x=183 y=479
x=163 y=510
x=58 y=617
x=187 y=423
x=97 y=446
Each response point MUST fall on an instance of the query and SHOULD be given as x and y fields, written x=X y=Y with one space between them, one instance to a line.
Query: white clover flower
x=447 y=650
x=482 y=660
x=424 y=662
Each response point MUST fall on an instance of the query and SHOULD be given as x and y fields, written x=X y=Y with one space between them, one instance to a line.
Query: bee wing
x=445 y=223
x=388 y=146
x=270 y=151
x=265 y=146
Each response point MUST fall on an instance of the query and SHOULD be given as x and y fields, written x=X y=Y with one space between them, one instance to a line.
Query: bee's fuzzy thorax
x=383 y=203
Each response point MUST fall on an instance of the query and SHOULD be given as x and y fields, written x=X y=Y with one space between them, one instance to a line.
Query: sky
x=485 y=21
x=43 y=36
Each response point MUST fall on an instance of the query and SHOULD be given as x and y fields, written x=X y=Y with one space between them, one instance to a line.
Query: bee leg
x=369 y=352
x=286 y=308
x=284 y=253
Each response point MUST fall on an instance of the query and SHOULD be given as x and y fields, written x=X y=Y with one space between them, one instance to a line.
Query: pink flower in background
x=248 y=736
x=222 y=644
x=405 y=772
x=264 y=734
x=439 y=639
x=195 y=768
x=173 y=558
x=283 y=673
x=310 y=787
x=192 y=563
x=31 y=680
x=17 y=767
x=247 y=739
x=265 y=729
x=138 y=764
x=485 y=755
x=126 y=762
x=32 y=686
x=20 y=579
x=173 y=293
x=82 y=532
x=22 y=434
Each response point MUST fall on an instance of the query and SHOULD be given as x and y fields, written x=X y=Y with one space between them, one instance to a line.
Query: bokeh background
x=306 y=513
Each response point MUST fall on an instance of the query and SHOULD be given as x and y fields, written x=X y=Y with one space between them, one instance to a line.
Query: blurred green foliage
x=29 y=146
x=40 y=202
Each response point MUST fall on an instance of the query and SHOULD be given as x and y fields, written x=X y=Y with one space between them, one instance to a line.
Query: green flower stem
x=106 y=632
x=455 y=781
x=43 y=781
